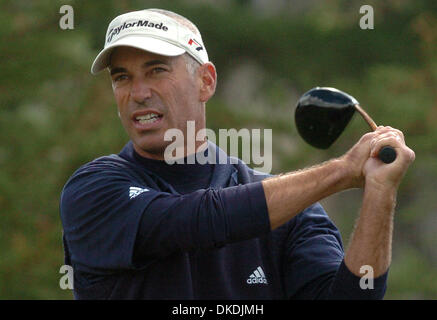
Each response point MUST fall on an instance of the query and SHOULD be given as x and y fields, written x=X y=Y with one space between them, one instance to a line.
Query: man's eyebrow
x=145 y=65
x=155 y=62
x=117 y=70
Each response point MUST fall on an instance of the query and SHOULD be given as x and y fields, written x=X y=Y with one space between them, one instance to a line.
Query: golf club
x=323 y=113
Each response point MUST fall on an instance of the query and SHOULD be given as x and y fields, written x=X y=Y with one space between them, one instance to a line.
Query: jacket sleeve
x=107 y=215
x=314 y=263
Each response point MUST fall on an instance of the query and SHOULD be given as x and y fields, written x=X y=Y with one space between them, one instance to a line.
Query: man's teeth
x=148 y=118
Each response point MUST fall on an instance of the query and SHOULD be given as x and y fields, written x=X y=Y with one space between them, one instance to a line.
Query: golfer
x=136 y=227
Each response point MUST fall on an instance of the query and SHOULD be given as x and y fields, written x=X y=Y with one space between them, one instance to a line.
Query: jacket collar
x=225 y=173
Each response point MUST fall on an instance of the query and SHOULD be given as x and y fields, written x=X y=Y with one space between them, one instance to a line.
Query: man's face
x=154 y=93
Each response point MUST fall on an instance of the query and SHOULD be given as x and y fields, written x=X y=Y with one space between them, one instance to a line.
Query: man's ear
x=208 y=77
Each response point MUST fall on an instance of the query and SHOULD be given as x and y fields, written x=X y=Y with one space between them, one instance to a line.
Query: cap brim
x=146 y=43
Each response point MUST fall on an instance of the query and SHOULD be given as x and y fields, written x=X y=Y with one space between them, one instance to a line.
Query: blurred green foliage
x=55 y=116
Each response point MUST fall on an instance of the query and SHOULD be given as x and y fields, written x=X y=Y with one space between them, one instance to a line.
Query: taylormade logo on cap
x=139 y=23
x=153 y=32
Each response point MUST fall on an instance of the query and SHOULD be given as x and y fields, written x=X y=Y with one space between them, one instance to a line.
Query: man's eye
x=158 y=70
x=120 y=78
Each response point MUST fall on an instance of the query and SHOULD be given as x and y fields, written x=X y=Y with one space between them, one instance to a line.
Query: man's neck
x=184 y=151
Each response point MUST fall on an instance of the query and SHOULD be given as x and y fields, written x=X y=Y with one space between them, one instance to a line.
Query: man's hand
x=389 y=175
x=364 y=166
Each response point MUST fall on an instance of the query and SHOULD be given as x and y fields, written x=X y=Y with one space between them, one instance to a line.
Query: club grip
x=387 y=154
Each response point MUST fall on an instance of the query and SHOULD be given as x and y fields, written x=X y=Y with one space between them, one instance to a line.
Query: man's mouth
x=148 y=118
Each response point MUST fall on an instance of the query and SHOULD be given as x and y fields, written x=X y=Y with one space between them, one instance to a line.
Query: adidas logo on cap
x=257 y=276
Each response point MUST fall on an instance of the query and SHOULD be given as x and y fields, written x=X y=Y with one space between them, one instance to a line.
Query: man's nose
x=140 y=90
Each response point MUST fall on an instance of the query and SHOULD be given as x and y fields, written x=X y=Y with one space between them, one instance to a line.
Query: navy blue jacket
x=128 y=234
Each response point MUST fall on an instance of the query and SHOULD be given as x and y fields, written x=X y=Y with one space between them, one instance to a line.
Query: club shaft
x=366 y=117
x=387 y=154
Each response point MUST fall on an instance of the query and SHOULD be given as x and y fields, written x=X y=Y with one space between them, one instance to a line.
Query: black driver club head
x=322 y=114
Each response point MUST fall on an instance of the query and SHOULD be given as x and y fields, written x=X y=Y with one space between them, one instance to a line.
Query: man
x=136 y=227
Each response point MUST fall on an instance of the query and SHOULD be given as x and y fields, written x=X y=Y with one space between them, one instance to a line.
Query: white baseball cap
x=150 y=31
